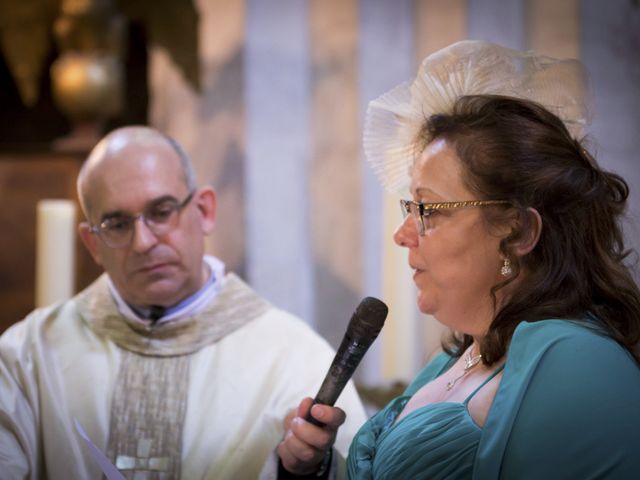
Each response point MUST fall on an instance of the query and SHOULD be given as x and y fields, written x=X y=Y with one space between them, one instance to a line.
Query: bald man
x=172 y=367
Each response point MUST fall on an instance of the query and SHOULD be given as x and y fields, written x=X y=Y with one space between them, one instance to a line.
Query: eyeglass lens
x=160 y=218
x=416 y=211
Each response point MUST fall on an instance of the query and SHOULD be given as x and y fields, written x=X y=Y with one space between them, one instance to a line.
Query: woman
x=513 y=234
x=514 y=238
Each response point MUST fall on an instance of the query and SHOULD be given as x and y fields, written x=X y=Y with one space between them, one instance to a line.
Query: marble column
x=277 y=208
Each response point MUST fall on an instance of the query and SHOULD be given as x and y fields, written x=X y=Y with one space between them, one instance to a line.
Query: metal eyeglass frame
x=420 y=208
x=102 y=227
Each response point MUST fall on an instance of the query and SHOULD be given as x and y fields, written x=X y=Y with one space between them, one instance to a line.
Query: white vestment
x=211 y=390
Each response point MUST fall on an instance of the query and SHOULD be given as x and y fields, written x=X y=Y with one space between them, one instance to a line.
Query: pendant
x=469 y=363
x=451 y=383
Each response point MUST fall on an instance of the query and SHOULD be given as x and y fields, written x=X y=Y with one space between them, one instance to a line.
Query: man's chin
x=163 y=293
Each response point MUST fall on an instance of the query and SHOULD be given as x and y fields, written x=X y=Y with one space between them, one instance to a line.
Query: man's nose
x=143 y=238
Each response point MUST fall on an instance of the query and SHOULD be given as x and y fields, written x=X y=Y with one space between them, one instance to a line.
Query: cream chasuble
x=201 y=397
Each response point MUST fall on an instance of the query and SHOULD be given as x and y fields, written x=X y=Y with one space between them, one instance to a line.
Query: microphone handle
x=344 y=364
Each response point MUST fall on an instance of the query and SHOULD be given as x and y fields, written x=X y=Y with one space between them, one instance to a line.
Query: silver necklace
x=469 y=362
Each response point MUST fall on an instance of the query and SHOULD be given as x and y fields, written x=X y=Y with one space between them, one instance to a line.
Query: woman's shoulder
x=554 y=326
x=567 y=392
x=576 y=344
x=545 y=334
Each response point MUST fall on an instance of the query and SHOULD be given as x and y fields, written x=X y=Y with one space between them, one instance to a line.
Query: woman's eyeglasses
x=423 y=211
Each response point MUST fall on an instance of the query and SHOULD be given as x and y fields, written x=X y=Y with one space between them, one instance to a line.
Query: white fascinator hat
x=394 y=120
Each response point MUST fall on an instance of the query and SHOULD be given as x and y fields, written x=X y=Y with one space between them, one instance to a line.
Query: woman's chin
x=425 y=304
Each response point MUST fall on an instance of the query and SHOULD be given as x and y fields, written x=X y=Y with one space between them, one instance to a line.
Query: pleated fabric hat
x=394 y=120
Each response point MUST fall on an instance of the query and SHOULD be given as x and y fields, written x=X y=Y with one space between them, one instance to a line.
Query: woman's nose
x=406 y=235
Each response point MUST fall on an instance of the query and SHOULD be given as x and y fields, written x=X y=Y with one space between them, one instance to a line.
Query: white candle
x=55 y=246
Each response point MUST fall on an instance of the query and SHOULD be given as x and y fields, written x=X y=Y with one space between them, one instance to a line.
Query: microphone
x=364 y=326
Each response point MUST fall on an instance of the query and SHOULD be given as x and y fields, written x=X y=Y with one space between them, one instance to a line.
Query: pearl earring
x=506 y=269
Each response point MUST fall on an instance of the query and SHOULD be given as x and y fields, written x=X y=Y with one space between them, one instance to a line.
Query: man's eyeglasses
x=422 y=212
x=161 y=217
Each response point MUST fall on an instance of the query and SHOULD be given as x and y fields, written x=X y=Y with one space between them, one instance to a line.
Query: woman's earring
x=506 y=269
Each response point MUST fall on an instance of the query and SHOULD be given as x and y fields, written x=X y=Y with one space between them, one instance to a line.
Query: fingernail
x=317 y=412
x=296 y=421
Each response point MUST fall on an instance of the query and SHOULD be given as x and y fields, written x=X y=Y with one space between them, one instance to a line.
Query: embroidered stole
x=149 y=401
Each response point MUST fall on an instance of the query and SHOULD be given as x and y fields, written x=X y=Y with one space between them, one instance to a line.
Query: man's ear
x=530 y=235
x=90 y=241
x=205 y=199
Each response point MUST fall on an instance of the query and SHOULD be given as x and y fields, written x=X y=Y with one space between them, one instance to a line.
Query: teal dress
x=568 y=407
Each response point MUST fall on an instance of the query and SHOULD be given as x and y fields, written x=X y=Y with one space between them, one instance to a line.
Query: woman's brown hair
x=517 y=150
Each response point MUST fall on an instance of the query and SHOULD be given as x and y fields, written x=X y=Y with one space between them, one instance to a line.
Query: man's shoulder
x=269 y=316
x=286 y=334
x=44 y=322
x=32 y=322
x=288 y=325
x=20 y=341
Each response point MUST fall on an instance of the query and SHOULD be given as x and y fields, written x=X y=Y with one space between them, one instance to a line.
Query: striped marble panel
x=277 y=204
x=610 y=45
x=439 y=23
x=210 y=123
x=499 y=21
x=553 y=28
x=335 y=176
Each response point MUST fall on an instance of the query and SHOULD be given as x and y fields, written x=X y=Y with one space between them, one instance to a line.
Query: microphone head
x=364 y=326
x=367 y=320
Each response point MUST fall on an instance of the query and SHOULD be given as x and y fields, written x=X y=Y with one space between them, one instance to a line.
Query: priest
x=171 y=366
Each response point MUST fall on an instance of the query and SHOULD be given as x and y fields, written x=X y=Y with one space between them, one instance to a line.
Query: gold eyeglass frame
x=421 y=208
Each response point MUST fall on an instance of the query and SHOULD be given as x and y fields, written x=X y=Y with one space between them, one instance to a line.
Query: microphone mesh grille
x=368 y=319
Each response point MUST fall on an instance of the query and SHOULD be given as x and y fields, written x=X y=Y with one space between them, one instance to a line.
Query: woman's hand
x=304 y=446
